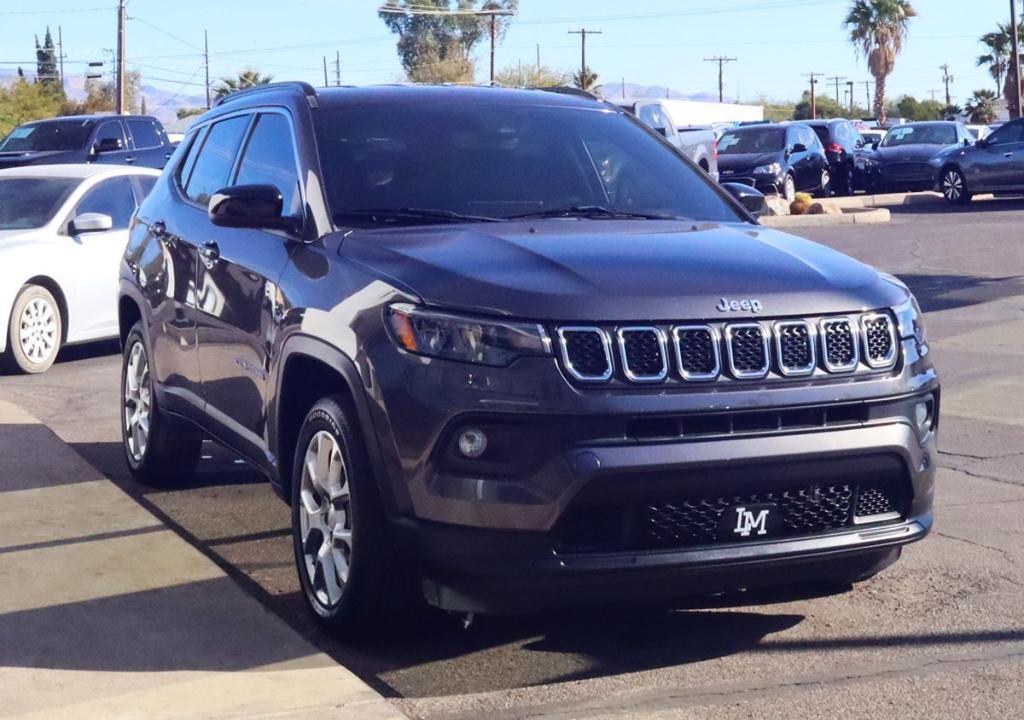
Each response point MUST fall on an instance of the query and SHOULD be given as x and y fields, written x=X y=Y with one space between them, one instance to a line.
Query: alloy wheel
x=789 y=188
x=325 y=518
x=38 y=330
x=952 y=185
x=138 y=402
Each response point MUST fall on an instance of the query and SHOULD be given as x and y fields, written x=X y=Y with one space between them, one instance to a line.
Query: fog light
x=473 y=443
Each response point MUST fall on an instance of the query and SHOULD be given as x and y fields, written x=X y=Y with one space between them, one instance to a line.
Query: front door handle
x=210 y=251
x=159 y=228
x=130 y=160
x=1008 y=155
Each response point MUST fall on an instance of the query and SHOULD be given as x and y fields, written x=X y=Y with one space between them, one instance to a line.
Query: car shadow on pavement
x=948 y=292
x=989 y=205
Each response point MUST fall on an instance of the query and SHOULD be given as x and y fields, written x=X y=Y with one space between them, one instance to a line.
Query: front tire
x=157 y=450
x=954 y=186
x=34 y=332
x=351 y=579
x=789 y=188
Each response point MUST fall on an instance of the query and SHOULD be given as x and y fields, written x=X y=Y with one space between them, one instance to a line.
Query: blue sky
x=649 y=42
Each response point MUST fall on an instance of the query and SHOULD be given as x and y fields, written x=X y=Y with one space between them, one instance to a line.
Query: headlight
x=463 y=338
x=773 y=169
x=910 y=323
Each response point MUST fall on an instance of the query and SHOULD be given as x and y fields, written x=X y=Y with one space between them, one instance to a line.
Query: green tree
x=531 y=76
x=189 y=112
x=826 y=106
x=46 y=62
x=877 y=29
x=22 y=102
x=101 y=97
x=245 y=79
x=585 y=79
x=434 y=45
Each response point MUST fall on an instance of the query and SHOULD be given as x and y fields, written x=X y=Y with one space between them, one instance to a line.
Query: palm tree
x=878 y=29
x=981 y=107
x=246 y=79
x=585 y=79
x=998 y=56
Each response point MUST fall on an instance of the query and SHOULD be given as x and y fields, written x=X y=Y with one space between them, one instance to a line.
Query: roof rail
x=566 y=90
x=305 y=88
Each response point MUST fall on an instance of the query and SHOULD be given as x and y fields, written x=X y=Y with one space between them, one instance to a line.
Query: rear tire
x=352 y=579
x=34 y=332
x=954 y=186
x=160 y=451
x=825 y=185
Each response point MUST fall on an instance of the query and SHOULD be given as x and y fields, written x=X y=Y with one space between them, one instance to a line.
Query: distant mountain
x=160 y=103
x=614 y=91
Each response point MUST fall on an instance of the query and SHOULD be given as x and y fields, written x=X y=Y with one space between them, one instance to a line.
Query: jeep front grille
x=644 y=353
x=741 y=351
x=839 y=344
x=697 y=352
x=586 y=352
x=879 y=340
x=794 y=345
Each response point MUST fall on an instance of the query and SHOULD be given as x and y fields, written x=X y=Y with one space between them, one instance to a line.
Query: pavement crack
x=983 y=546
x=981 y=476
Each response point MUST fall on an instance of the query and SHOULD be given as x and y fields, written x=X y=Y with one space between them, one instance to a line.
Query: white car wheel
x=35 y=330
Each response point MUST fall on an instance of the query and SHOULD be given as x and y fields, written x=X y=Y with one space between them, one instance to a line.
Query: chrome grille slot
x=879 y=338
x=644 y=354
x=747 y=347
x=697 y=353
x=839 y=344
x=794 y=348
x=586 y=353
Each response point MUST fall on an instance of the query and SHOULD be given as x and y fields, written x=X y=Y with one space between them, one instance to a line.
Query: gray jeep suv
x=510 y=349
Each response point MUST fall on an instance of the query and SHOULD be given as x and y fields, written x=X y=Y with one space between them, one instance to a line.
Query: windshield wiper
x=412 y=214
x=590 y=212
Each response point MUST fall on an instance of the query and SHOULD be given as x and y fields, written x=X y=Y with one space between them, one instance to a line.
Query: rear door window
x=145 y=133
x=110 y=130
x=113 y=197
x=216 y=158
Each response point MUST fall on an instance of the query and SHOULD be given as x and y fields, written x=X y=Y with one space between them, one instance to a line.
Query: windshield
x=920 y=135
x=753 y=140
x=437 y=161
x=61 y=135
x=27 y=203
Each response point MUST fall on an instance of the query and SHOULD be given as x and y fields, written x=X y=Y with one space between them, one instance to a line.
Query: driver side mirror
x=90 y=223
x=752 y=200
x=874 y=145
x=250 y=206
x=799 y=148
x=107 y=145
x=967 y=142
x=661 y=131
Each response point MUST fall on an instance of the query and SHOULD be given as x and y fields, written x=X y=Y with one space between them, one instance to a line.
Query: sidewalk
x=105 y=613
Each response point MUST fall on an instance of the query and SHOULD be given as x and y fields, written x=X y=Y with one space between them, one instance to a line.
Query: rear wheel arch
x=310 y=370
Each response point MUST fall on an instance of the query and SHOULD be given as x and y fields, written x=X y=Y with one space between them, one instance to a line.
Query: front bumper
x=767 y=184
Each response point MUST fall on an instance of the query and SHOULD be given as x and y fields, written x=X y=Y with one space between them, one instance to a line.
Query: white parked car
x=63 y=230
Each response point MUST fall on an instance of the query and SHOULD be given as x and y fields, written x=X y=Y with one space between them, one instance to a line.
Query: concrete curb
x=850 y=216
x=107 y=613
x=888 y=200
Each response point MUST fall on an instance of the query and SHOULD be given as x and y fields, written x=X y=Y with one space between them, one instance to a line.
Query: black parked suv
x=510 y=349
x=136 y=140
x=783 y=159
x=842 y=142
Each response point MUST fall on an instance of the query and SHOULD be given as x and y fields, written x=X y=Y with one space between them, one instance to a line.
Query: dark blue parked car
x=902 y=161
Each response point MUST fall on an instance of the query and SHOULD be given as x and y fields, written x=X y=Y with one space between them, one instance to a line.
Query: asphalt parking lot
x=940 y=634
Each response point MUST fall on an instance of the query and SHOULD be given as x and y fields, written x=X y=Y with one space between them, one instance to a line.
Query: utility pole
x=583 y=32
x=722 y=62
x=206 y=64
x=837 y=80
x=337 y=68
x=867 y=94
x=623 y=88
x=538 y=57
x=947 y=79
x=60 y=56
x=814 y=97
x=494 y=40
x=1015 y=61
x=121 y=17
x=326 y=82
x=849 y=85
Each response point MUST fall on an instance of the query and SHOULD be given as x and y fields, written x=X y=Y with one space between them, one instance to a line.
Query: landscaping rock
x=824 y=208
x=776 y=205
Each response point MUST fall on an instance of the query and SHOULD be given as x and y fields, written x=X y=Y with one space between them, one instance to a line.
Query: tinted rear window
x=500 y=160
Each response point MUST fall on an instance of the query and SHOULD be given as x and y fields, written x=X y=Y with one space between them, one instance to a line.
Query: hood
x=909 y=153
x=32 y=157
x=741 y=162
x=610 y=270
x=11 y=238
